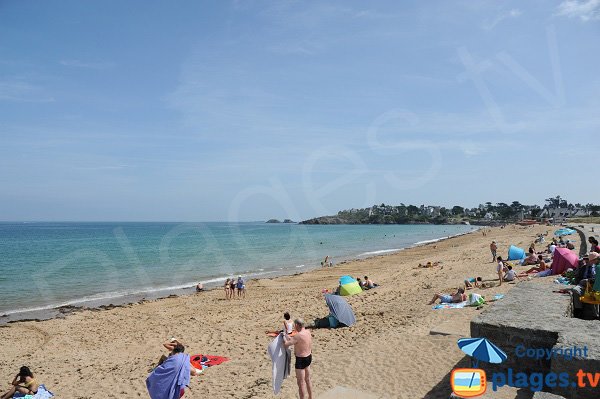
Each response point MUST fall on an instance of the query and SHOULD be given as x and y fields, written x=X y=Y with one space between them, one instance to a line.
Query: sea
x=45 y=266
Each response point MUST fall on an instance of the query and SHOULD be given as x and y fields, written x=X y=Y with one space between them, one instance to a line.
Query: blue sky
x=247 y=110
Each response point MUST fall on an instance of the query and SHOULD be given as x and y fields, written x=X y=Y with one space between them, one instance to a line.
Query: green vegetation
x=555 y=208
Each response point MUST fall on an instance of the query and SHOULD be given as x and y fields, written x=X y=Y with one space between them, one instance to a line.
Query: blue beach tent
x=516 y=253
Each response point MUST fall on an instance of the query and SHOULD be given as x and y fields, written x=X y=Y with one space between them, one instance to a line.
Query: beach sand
x=389 y=353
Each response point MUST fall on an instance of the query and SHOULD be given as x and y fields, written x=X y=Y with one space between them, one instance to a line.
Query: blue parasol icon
x=481 y=349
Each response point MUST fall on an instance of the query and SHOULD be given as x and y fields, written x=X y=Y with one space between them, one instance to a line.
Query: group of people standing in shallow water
x=232 y=285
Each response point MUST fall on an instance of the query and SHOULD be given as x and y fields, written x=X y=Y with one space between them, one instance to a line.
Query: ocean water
x=45 y=265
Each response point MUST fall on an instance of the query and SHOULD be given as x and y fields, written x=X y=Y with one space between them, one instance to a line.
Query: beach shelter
x=564 y=232
x=349 y=286
x=339 y=308
x=481 y=350
x=516 y=253
x=563 y=259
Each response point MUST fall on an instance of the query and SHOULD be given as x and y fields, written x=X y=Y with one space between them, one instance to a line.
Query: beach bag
x=590 y=296
x=476 y=300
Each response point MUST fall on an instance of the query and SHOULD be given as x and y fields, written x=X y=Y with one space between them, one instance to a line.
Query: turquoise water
x=44 y=265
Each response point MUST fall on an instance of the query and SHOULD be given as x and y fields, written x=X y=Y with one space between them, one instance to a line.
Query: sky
x=251 y=110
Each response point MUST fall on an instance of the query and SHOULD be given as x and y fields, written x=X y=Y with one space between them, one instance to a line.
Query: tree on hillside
x=553 y=202
x=457 y=210
x=412 y=210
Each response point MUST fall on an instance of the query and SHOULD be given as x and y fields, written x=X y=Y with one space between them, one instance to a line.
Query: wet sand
x=389 y=353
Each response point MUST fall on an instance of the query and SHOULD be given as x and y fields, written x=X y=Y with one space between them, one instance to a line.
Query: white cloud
x=22 y=91
x=514 y=13
x=586 y=10
x=89 y=65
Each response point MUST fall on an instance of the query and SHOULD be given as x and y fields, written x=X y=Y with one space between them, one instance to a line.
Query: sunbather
x=536 y=269
x=429 y=264
x=169 y=379
x=531 y=258
x=23 y=383
x=457 y=297
x=369 y=283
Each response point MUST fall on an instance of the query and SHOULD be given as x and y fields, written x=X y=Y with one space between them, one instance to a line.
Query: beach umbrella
x=564 y=232
x=482 y=350
x=340 y=309
x=564 y=259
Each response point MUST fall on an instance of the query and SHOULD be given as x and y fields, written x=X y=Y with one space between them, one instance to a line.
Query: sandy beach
x=389 y=353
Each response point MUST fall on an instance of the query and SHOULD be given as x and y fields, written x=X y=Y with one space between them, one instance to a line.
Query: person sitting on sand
x=594 y=247
x=570 y=245
x=536 y=269
x=23 y=383
x=531 y=258
x=199 y=287
x=369 y=283
x=172 y=375
x=500 y=268
x=288 y=325
x=360 y=282
x=473 y=282
x=510 y=275
x=457 y=297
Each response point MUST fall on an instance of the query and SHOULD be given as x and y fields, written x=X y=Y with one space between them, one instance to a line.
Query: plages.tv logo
x=471 y=382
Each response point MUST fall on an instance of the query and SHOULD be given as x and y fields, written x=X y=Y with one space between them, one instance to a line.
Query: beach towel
x=42 y=393
x=169 y=379
x=201 y=362
x=282 y=362
x=458 y=305
x=563 y=280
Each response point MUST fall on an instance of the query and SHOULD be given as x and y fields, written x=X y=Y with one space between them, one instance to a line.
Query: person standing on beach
x=302 y=343
x=500 y=269
x=241 y=287
x=493 y=249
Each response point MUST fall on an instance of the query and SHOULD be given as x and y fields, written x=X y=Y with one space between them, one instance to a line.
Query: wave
x=104 y=298
x=382 y=251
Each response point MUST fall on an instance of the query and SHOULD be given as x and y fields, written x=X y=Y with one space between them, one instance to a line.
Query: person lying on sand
x=430 y=264
x=536 y=269
x=457 y=297
x=23 y=383
x=473 y=282
x=360 y=282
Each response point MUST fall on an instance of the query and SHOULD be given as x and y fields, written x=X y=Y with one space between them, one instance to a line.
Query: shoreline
x=145 y=295
x=111 y=349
